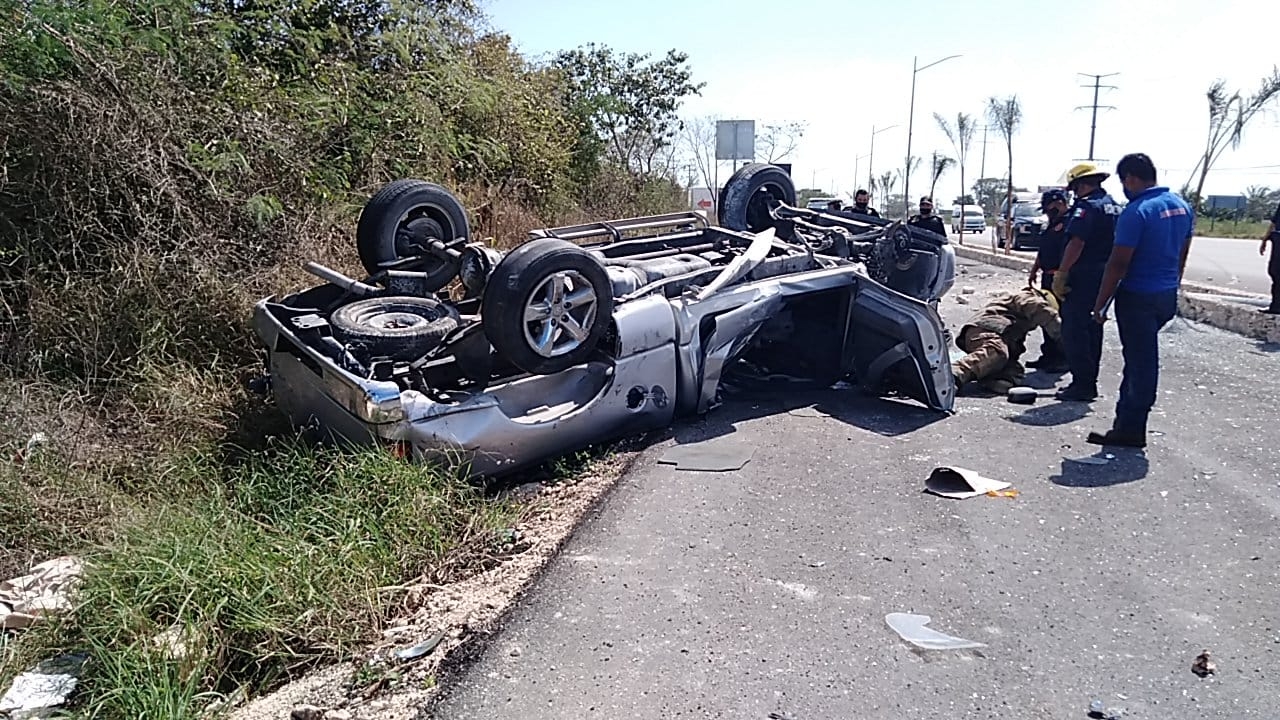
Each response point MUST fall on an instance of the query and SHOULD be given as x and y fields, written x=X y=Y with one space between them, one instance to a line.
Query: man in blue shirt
x=1153 y=237
x=1091 y=231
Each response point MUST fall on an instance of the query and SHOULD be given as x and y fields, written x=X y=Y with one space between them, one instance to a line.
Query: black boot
x=1113 y=437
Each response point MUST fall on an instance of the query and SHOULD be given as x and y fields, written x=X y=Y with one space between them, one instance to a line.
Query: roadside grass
x=1229 y=229
x=255 y=570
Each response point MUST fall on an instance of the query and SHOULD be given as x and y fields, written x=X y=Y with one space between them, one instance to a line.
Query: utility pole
x=1097 y=86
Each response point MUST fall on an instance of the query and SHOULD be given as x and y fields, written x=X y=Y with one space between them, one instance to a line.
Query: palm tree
x=1006 y=116
x=1228 y=114
x=960 y=135
x=940 y=165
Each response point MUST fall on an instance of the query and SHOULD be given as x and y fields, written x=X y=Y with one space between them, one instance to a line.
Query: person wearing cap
x=1053 y=241
x=834 y=206
x=1153 y=239
x=926 y=219
x=1090 y=232
x=995 y=337
x=861 y=204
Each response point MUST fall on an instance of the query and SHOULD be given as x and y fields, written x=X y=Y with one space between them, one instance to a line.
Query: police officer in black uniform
x=862 y=204
x=1053 y=242
x=1091 y=233
x=927 y=220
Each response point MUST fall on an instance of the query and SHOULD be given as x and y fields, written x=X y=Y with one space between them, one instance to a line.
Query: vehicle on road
x=819 y=203
x=1028 y=222
x=974 y=219
x=592 y=332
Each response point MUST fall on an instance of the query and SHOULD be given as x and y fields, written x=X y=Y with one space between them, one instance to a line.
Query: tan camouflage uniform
x=996 y=337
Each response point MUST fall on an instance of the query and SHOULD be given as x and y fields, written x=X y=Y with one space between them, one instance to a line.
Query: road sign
x=701 y=198
x=1227 y=202
x=736 y=140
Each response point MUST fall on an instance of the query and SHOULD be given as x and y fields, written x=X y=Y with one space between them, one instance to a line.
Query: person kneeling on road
x=996 y=337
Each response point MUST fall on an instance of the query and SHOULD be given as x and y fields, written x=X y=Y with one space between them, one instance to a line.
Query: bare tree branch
x=778 y=140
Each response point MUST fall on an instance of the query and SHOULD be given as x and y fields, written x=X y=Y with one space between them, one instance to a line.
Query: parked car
x=974 y=219
x=1028 y=222
x=819 y=203
x=586 y=333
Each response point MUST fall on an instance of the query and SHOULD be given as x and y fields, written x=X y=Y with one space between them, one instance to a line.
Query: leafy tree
x=806 y=194
x=1229 y=113
x=987 y=193
x=960 y=135
x=1006 y=116
x=626 y=103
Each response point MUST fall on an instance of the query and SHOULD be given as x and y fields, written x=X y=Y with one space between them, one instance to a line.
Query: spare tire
x=402 y=218
x=751 y=193
x=398 y=328
x=547 y=305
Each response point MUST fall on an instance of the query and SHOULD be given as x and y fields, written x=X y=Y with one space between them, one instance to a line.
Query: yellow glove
x=1060 y=284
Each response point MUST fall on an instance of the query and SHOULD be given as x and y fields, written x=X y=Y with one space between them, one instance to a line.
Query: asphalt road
x=762 y=593
x=1231 y=263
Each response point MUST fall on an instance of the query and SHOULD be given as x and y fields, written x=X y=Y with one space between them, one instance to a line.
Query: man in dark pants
x=1273 y=267
x=1091 y=230
x=926 y=219
x=1153 y=237
x=1053 y=241
x=861 y=204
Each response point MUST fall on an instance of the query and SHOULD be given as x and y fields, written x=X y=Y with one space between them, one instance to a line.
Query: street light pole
x=871 y=159
x=855 y=168
x=911 y=117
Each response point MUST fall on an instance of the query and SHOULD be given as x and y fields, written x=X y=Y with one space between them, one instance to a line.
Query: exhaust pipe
x=336 y=278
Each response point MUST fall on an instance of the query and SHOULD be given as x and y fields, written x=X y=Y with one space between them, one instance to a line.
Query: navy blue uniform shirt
x=1053 y=242
x=1093 y=220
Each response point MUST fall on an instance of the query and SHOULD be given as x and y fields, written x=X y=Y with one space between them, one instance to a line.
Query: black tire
x=749 y=193
x=401 y=217
x=511 y=288
x=398 y=328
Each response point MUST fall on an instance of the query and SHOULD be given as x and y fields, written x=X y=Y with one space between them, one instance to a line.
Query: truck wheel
x=546 y=306
x=750 y=194
x=400 y=221
x=399 y=328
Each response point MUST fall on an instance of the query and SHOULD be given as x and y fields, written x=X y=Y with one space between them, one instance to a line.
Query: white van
x=974 y=220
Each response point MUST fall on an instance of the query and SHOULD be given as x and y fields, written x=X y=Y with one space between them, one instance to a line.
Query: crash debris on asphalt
x=959 y=483
x=722 y=455
x=914 y=629
x=1203 y=665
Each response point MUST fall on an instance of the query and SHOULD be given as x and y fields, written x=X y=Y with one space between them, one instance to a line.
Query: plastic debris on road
x=716 y=456
x=959 y=483
x=913 y=628
x=421 y=649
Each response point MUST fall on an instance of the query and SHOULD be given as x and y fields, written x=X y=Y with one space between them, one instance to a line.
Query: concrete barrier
x=1219 y=307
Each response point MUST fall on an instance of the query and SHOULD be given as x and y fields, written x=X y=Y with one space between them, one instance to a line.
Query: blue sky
x=751 y=53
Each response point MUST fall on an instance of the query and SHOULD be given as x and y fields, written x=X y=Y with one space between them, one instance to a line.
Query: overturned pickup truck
x=594 y=332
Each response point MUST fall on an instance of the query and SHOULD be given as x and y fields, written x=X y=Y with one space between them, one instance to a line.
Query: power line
x=1097 y=86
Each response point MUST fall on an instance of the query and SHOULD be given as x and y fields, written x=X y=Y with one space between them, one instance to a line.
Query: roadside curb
x=1224 y=309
